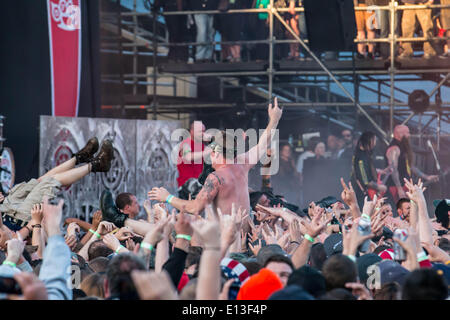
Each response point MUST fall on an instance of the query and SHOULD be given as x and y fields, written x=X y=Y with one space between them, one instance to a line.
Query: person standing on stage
x=364 y=174
x=192 y=153
x=400 y=157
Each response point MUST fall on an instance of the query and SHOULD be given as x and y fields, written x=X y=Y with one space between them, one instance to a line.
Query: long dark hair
x=365 y=141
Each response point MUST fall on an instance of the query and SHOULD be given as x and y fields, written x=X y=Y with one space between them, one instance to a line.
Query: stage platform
x=411 y=65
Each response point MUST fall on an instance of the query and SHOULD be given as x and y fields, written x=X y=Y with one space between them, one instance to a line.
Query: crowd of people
x=225 y=242
x=371 y=23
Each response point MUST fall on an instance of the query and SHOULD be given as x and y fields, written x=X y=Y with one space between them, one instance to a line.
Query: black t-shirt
x=363 y=170
x=404 y=167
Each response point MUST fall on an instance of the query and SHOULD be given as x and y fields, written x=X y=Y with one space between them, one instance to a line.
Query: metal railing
x=274 y=13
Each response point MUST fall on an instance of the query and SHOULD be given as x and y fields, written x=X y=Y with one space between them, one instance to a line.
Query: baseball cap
x=363 y=263
x=268 y=251
x=333 y=244
x=391 y=271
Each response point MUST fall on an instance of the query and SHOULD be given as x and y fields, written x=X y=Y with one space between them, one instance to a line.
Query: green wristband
x=169 y=199
x=147 y=246
x=309 y=238
x=352 y=257
x=9 y=263
x=95 y=233
x=118 y=248
x=365 y=216
x=183 y=236
x=422 y=256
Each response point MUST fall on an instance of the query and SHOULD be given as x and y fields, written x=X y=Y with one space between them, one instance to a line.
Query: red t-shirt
x=189 y=170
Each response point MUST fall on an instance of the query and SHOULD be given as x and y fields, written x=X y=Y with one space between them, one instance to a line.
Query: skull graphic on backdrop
x=140 y=158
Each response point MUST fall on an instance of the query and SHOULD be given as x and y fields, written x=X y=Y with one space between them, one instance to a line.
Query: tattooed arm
x=392 y=154
x=206 y=195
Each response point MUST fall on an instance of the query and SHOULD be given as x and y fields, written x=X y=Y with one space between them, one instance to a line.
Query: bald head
x=401 y=131
x=197 y=130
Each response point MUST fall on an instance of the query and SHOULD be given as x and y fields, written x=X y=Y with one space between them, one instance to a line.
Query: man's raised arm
x=256 y=153
x=392 y=154
x=206 y=196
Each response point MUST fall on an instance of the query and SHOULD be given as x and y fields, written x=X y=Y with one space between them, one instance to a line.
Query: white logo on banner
x=66 y=14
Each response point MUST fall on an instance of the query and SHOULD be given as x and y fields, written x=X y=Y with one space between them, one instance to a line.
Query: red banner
x=64 y=26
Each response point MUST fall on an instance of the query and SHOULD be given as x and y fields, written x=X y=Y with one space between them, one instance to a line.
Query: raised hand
x=369 y=206
x=124 y=234
x=111 y=242
x=156 y=234
x=37 y=213
x=72 y=229
x=208 y=230
x=15 y=249
x=158 y=194
x=52 y=217
x=255 y=248
x=377 y=224
x=71 y=241
x=412 y=248
x=269 y=236
x=149 y=210
x=415 y=191
x=130 y=245
x=274 y=111
x=352 y=239
x=105 y=227
x=153 y=286
x=316 y=226
x=294 y=231
x=348 y=195
x=183 y=224
x=96 y=219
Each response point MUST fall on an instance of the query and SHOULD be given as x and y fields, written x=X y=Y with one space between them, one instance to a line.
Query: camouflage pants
x=408 y=26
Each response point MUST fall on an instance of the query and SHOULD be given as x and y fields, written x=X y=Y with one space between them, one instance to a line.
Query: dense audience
x=269 y=253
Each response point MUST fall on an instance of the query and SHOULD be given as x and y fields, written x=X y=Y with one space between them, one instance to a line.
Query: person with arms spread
x=229 y=183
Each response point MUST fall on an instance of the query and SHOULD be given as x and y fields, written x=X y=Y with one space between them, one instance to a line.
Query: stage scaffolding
x=137 y=41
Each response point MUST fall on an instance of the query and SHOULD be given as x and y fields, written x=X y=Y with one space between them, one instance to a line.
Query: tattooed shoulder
x=219 y=178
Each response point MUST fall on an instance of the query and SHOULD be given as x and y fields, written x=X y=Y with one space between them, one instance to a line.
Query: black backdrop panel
x=321 y=178
x=331 y=24
x=25 y=91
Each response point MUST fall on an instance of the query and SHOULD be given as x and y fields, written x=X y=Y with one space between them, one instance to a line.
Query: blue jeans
x=384 y=17
x=205 y=33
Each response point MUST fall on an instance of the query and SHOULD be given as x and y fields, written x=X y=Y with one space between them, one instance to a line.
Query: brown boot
x=87 y=153
x=102 y=162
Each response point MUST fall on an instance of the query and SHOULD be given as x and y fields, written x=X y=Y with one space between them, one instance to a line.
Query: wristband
x=184 y=236
x=147 y=246
x=447 y=263
x=118 y=248
x=309 y=238
x=365 y=216
x=352 y=257
x=295 y=242
x=169 y=198
x=421 y=256
x=95 y=233
x=9 y=263
x=36 y=226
